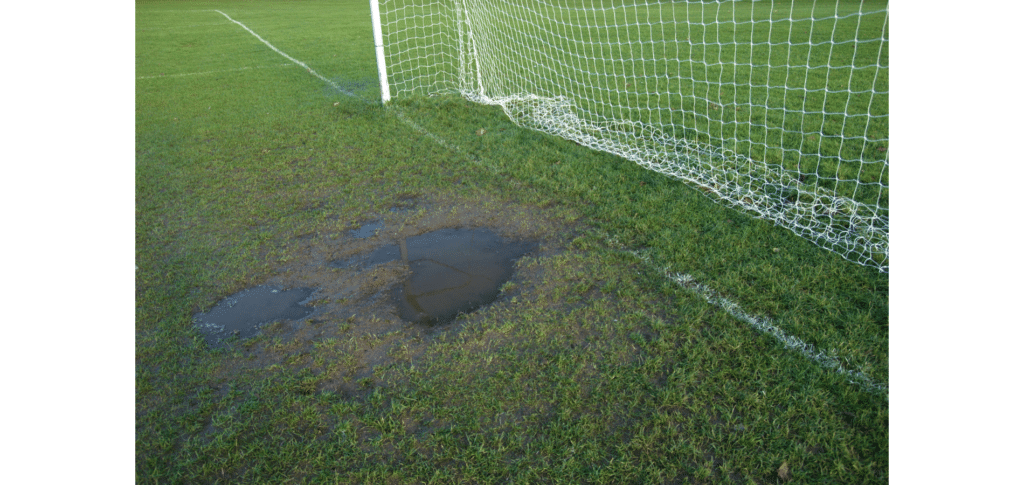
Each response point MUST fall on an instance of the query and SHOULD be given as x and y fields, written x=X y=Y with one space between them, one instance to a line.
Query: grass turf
x=593 y=367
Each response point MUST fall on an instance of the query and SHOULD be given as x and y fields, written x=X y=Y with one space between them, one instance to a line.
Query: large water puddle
x=243 y=314
x=451 y=271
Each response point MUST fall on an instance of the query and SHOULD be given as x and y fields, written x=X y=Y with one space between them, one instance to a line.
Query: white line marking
x=765 y=325
x=415 y=126
x=286 y=56
x=211 y=72
x=394 y=109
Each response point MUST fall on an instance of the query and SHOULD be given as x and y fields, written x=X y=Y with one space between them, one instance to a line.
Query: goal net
x=778 y=108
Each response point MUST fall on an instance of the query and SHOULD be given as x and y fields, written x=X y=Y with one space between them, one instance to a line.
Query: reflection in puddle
x=451 y=271
x=243 y=313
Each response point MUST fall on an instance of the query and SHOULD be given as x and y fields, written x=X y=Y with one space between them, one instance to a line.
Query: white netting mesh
x=778 y=108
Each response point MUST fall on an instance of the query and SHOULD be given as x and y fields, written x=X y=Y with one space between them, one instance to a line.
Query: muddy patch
x=240 y=316
x=384 y=290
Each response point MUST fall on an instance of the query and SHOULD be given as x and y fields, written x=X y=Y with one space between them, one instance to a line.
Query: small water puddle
x=451 y=271
x=367 y=230
x=243 y=313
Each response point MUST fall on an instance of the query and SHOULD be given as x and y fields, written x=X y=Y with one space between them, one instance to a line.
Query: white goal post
x=778 y=108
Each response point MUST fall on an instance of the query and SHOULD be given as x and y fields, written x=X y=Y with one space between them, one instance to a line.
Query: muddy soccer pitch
x=334 y=291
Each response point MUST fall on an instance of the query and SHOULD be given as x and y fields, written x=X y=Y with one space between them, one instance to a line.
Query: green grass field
x=592 y=366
